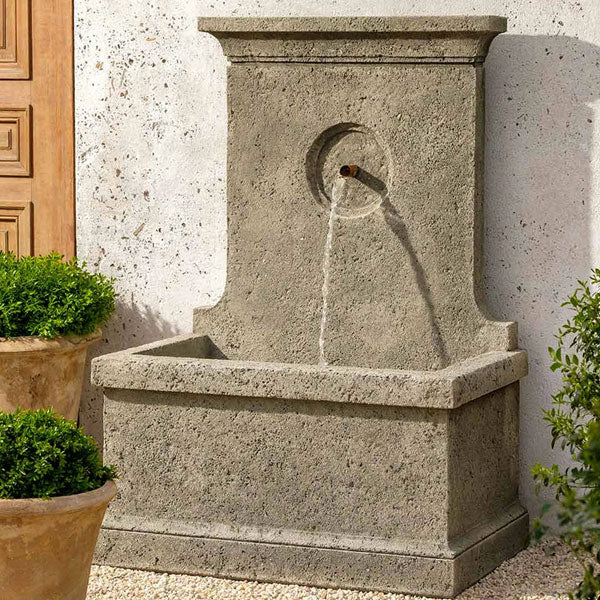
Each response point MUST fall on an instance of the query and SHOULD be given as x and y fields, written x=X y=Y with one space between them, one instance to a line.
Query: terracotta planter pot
x=38 y=373
x=46 y=546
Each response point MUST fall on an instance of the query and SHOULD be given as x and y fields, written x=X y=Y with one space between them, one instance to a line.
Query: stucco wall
x=151 y=129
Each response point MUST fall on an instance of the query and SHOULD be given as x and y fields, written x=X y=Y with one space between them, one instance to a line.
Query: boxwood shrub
x=574 y=420
x=43 y=455
x=49 y=297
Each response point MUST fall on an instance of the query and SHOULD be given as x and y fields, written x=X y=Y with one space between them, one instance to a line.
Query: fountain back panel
x=347 y=414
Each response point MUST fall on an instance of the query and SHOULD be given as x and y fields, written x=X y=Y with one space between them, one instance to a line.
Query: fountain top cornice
x=355 y=39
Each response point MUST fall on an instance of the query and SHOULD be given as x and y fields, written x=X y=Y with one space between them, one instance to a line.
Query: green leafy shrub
x=48 y=297
x=575 y=422
x=42 y=455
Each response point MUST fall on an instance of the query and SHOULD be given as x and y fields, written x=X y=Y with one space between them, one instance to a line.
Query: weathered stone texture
x=307 y=474
x=346 y=415
x=359 y=477
x=402 y=277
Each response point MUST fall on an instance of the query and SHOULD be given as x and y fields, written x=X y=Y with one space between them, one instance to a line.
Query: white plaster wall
x=151 y=127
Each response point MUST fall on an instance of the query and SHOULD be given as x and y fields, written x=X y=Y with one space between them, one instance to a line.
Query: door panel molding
x=15 y=42
x=15 y=227
x=15 y=142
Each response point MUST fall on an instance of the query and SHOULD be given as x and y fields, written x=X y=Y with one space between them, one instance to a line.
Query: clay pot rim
x=59 y=504
x=33 y=344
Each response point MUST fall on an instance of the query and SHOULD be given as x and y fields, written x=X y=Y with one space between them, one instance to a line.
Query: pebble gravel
x=542 y=572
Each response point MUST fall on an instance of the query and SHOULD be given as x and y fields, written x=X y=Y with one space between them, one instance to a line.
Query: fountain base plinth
x=403 y=481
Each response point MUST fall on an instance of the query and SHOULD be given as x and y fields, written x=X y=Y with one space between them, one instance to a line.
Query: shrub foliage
x=48 y=297
x=575 y=422
x=42 y=455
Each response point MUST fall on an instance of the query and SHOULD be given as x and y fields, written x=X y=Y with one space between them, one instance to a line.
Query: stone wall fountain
x=347 y=415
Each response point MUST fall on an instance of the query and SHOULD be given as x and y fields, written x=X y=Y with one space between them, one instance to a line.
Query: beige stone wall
x=151 y=141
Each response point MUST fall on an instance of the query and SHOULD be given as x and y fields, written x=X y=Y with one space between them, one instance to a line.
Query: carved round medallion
x=340 y=149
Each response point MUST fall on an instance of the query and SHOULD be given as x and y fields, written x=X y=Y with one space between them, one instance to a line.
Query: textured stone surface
x=354 y=38
x=151 y=137
x=403 y=278
x=542 y=572
x=289 y=431
x=456 y=26
x=312 y=566
x=393 y=498
x=186 y=364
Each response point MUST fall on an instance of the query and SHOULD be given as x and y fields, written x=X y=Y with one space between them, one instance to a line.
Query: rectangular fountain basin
x=366 y=478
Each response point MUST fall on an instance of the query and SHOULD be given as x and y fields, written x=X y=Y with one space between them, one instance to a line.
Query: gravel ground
x=543 y=572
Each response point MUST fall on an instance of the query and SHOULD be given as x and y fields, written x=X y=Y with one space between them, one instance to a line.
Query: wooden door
x=37 y=176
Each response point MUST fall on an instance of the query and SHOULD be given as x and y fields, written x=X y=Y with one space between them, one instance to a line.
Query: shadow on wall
x=130 y=326
x=539 y=192
x=396 y=224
